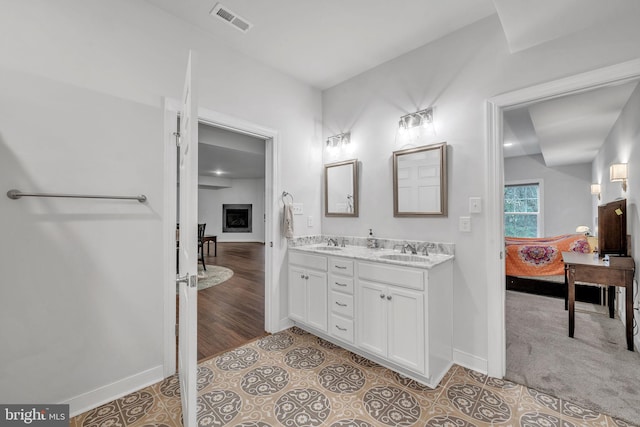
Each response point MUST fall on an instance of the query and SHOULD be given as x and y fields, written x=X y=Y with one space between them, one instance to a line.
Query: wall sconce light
x=618 y=172
x=340 y=140
x=595 y=190
x=422 y=118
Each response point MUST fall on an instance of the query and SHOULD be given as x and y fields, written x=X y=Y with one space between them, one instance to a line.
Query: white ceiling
x=566 y=130
x=229 y=155
x=323 y=43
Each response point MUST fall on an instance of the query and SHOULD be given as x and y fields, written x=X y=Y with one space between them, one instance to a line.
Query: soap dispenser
x=372 y=242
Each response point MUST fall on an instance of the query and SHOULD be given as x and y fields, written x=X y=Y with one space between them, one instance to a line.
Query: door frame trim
x=272 y=292
x=494 y=246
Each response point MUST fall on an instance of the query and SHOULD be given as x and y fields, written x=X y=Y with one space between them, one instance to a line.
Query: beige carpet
x=594 y=369
x=294 y=379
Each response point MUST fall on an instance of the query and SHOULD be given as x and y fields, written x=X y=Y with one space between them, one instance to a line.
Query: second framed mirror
x=420 y=181
x=341 y=188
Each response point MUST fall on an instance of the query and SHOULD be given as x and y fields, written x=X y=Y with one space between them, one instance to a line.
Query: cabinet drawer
x=341 y=328
x=306 y=260
x=342 y=304
x=400 y=276
x=341 y=283
x=341 y=266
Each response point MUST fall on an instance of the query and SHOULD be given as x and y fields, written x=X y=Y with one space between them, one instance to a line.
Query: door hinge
x=176 y=331
x=177 y=135
x=500 y=254
x=270 y=244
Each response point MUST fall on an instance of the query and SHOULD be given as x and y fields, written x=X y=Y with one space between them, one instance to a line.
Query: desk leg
x=628 y=315
x=611 y=300
x=572 y=299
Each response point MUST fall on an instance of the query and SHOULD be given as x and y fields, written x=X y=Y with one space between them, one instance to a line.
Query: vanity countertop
x=387 y=256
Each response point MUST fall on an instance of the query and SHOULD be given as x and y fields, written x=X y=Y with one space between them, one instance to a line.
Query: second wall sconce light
x=618 y=172
x=422 y=118
x=595 y=190
x=338 y=141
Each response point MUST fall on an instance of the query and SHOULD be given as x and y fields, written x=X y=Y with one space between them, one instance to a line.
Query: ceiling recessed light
x=508 y=144
x=218 y=172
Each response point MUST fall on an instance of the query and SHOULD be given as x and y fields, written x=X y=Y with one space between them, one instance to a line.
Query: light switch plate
x=465 y=224
x=298 y=209
x=475 y=205
x=309 y=221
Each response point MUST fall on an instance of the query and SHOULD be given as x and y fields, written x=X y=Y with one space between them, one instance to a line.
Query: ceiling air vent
x=231 y=18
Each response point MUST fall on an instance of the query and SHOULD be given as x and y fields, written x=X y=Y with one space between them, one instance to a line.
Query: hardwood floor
x=232 y=313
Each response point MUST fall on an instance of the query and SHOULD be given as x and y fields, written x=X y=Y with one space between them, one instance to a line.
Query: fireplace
x=236 y=218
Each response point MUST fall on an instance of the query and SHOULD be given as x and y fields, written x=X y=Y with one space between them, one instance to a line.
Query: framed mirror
x=341 y=188
x=420 y=181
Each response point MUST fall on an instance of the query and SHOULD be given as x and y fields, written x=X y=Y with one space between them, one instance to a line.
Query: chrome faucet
x=343 y=243
x=402 y=248
x=332 y=241
x=425 y=247
x=411 y=248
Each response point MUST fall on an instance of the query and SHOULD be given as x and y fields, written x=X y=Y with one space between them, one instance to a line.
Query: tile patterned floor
x=295 y=379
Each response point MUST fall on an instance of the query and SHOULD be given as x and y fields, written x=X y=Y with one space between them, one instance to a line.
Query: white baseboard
x=470 y=361
x=285 y=323
x=107 y=393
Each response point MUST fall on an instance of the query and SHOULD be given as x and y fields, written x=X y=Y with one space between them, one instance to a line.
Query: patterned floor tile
x=296 y=379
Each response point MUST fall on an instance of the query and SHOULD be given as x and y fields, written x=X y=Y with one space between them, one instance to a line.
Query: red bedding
x=541 y=256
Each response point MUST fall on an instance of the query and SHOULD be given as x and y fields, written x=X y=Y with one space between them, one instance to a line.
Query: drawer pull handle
x=389 y=297
x=340 y=304
x=382 y=296
x=341 y=329
x=340 y=284
x=341 y=267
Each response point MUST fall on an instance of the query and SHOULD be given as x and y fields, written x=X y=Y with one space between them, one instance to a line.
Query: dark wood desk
x=208 y=240
x=586 y=268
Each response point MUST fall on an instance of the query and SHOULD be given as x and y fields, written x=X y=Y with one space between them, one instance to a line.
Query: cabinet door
x=317 y=312
x=297 y=294
x=406 y=328
x=372 y=317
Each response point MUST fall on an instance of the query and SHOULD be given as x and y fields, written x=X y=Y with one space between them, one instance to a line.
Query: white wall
x=623 y=146
x=80 y=305
x=456 y=75
x=242 y=191
x=81 y=88
x=567 y=195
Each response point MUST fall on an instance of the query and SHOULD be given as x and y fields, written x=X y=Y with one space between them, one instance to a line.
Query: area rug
x=214 y=275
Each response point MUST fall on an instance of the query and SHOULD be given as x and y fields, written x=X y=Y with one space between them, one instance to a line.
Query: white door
x=406 y=328
x=372 y=317
x=297 y=294
x=188 y=254
x=317 y=300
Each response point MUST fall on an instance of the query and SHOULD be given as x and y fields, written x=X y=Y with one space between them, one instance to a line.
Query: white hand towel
x=287 y=221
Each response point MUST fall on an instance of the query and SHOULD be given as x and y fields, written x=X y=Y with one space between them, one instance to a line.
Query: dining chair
x=201 y=228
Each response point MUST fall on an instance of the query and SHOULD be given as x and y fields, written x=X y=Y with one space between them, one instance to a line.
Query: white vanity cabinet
x=308 y=289
x=397 y=315
x=391 y=314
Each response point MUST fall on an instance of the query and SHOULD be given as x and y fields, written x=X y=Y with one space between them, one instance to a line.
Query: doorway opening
x=267 y=219
x=498 y=110
x=231 y=207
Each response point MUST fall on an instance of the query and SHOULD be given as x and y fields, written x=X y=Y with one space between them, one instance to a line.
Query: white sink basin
x=327 y=248
x=405 y=257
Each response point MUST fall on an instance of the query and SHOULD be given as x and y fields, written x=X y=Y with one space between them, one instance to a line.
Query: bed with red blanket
x=535 y=265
